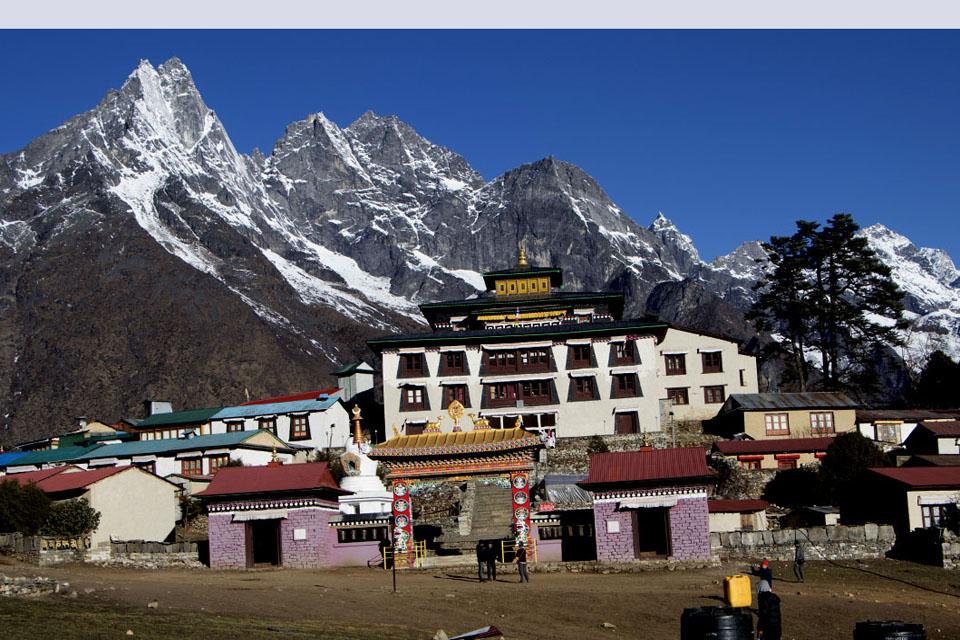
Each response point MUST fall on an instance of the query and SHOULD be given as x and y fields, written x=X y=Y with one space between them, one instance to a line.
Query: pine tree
x=938 y=383
x=828 y=292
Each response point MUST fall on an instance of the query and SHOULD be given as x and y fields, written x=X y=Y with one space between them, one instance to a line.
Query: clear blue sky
x=732 y=134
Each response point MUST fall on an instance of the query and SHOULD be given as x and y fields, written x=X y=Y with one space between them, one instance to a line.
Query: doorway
x=263 y=543
x=651 y=532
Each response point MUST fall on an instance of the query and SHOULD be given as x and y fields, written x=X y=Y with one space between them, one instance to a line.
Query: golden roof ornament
x=479 y=424
x=433 y=427
x=273 y=456
x=522 y=259
x=357 y=431
x=519 y=423
x=455 y=411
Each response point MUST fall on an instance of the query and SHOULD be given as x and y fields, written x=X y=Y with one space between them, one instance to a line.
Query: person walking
x=491 y=561
x=521 y=560
x=799 y=558
x=481 y=558
x=769 y=626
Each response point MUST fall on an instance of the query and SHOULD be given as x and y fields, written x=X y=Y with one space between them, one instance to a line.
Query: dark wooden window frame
x=448 y=396
x=670 y=362
x=672 y=393
x=518 y=390
x=711 y=366
x=510 y=361
x=407 y=405
x=620 y=416
x=300 y=434
x=575 y=362
x=625 y=385
x=448 y=369
x=406 y=368
x=779 y=432
x=232 y=426
x=191 y=466
x=218 y=462
x=268 y=424
x=710 y=397
x=632 y=356
x=583 y=389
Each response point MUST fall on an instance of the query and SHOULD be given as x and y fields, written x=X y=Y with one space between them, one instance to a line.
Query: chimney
x=54 y=443
x=81 y=422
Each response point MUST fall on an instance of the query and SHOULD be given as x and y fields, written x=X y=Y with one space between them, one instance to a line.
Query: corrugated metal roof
x=305 y=395
x=564 y=489
x=905 y=415
x=62 y=454
x=350 y=367
x=263 y=409
x=73 y=481
x=33 y=477
x=934 y=460
x=173 y=445
x=647 y=466
x=312 y=476
x=9 y=457
x=190 y=416
x=946 y=429
x=785 y=445
x=808 y=400
x=736 y=506
x=923 y=477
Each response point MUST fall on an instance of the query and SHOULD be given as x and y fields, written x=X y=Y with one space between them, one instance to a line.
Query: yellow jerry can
x=737 y=591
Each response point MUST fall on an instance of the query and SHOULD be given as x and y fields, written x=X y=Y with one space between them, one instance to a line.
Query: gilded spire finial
x=522 y=259
x=357 y=431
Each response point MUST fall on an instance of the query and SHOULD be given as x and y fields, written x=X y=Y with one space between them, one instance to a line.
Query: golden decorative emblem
x=522 y=259
x=433 y=427
x=455 y=411
x=519 y=423
x=479 y=424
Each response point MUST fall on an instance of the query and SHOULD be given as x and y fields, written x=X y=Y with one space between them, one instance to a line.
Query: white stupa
x=369 y=495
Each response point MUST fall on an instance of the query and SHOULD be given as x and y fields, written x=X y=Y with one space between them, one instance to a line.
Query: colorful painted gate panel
x=402 y=523
x=520 y=490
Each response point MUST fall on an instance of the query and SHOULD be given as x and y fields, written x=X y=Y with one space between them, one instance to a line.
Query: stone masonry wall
x=227 y=542
x=690 y=529
x=950 y=551
x=613 y=547
x=317 y=549
x=822 y=543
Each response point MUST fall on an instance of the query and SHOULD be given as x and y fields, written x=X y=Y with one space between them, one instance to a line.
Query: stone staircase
x=486 y=513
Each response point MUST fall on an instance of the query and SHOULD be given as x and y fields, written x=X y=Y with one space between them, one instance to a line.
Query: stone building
x=273 y=515
x=650 y=504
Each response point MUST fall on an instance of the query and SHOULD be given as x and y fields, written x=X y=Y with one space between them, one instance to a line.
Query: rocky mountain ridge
x=143 y=255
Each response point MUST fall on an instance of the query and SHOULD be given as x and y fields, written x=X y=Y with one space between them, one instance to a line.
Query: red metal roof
x=736 y=506
x=945 y=429
x=74 y=481
x=305 y=395
x=647 y=465
x=786 y=445
x=33 y=477
x=923 y=477
x=309 y=476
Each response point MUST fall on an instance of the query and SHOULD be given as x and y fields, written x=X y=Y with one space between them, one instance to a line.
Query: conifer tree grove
x=828 y=293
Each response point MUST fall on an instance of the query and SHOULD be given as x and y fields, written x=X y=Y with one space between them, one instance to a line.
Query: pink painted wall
x=227 y=542
x=689 y=531
x=354 y=554
x=317 y=549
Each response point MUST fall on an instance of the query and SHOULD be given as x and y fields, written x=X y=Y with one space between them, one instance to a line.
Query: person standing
x=491 y=560
x=481 y=558
x=799 y=558
x=522 y=563
x=766 y=573
x=769 y=626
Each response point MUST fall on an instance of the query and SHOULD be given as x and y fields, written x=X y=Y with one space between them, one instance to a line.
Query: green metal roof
x=172 y=445
x=191 y=416
x=45 y=456
x=350 y=367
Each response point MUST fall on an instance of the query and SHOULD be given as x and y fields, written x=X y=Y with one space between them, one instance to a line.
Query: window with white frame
x=777 y=423
x=821 y=422
x=932 y=514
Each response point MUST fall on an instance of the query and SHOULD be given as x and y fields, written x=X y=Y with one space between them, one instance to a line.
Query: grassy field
x=359 y=603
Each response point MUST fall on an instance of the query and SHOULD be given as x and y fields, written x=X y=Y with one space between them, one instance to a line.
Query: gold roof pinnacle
x=522 y=259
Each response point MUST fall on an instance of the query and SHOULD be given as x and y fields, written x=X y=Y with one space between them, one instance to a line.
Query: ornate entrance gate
x=456 y=456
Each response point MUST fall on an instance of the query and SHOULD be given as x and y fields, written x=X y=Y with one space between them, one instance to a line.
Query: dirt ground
x=358 y=603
